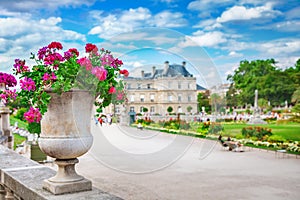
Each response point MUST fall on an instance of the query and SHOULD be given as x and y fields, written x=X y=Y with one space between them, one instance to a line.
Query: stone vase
x=66 y=135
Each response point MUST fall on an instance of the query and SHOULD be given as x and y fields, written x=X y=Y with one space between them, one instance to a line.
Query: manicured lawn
x=288 y=131
x=18 y=140
x=21 y=124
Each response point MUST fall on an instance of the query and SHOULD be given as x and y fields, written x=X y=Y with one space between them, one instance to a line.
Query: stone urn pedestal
x=65 y=135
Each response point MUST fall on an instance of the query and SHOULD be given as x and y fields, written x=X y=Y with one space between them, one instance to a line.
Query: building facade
x=153 y=92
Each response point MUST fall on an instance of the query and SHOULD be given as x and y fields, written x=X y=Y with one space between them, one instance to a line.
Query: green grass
x=289 y=131
x=18 y=140
x=21 y=124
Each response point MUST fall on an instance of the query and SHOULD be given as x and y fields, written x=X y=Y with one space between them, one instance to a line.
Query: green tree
x=274 y=85
x=189 y=108
x=169 y=109
x=203 y=101
x=216 y=102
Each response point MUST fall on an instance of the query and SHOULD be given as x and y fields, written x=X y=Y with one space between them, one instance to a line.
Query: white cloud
x=207 y=7
x=293 y=14
x=286 y=26
x=243 y=13
x=168 y=19
x=129 y=20
x=204 y=39
x=280 y=47
x=21 y=36
x=208 y=25
x=234 y=54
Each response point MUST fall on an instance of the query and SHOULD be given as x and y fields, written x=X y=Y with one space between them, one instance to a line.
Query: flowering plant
x=6 y=81
x=98 y=72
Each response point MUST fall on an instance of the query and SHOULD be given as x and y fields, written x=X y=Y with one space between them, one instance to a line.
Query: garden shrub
x=259 y=132
x=276 y=138
x=34 y=127
x=239 y=136
x=215 y=128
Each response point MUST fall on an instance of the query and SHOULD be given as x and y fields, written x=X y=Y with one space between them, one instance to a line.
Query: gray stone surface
x=25 y=177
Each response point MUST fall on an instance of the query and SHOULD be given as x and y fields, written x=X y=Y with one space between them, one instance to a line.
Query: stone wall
x=22 y=178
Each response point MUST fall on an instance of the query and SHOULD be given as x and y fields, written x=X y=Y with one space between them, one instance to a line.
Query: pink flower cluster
x=8 y=95
x=49 y=55
x=8 y=79
x=48 y=77
x=33 y=115
x=84 y=62
x=100 y=73
x=20 y=66
x=27 y=84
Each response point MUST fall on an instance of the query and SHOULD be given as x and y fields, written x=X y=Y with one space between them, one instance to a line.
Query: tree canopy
x=274 y=84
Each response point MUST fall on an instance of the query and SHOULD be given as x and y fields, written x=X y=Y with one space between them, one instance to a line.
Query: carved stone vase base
x=66 y=171
x=70 y=187
x=67 y=180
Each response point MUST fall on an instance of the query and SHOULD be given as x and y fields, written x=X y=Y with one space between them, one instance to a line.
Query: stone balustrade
x=22 y=178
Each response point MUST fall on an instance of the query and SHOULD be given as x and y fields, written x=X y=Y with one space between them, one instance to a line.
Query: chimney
x=183 y=64
x=166 y=67
x=153 y=70
x=143 y=73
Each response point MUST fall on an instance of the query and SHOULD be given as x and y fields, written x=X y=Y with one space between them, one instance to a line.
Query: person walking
x=100 y=120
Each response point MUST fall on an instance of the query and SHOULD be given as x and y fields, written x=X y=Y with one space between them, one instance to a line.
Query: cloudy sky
x=211 y=36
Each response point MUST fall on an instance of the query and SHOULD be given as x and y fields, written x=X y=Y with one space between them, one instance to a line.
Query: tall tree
x=203 y=101
x=273 y=84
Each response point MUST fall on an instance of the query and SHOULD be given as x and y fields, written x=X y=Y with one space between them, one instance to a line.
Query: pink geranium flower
x=33 y=115
x=27 y=84
x=100 y=73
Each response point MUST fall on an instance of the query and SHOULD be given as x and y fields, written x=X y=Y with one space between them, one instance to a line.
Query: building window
x=189 y=98
x=149 y=86
x=141 y=109
x=142 y=97
x=131 y=109
x=179 y=97
x=152 y=109
x=179 y=85
x=152 y=97
x=169 y=98
x=128 y=86
x=117 y=110
x=131 y=98
x=189 y=86
x=169 y=85
x=139 y=86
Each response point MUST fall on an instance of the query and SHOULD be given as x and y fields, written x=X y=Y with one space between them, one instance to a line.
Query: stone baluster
x=2 y=192
x=5 y=126
x=9 y=194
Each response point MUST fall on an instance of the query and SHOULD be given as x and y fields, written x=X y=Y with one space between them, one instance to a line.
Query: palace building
x=153 y=92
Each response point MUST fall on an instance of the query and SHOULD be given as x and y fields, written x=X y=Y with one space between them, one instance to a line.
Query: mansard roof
x=173 y=71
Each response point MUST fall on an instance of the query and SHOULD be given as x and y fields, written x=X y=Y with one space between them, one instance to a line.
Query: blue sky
x=212 y=36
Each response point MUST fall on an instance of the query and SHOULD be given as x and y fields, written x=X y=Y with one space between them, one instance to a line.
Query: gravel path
x=141 y=165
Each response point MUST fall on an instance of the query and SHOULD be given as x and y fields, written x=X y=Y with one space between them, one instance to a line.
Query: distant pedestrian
x=96 y=120
x=100 y=120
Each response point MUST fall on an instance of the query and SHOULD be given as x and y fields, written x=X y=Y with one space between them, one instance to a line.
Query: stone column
x=5 y=126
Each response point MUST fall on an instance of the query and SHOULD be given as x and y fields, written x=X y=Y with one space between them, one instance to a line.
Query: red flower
x=90 y=48
x=55 y=45
x=112 y=90
x=124 y=72
x=74 y=51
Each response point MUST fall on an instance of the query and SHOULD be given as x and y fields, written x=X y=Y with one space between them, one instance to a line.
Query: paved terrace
x=137 y=165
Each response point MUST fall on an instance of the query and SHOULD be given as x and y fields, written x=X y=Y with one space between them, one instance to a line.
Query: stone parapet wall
x=22 y=178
